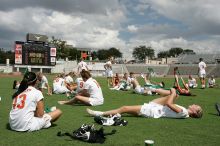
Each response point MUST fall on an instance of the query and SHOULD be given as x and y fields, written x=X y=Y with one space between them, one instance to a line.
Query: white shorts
x=139 y=90
x=151 y=110
x=61 y=90
x=95 y=101
x=202 y=75
x=193 y=85
x=39 y=123
x=109 y=73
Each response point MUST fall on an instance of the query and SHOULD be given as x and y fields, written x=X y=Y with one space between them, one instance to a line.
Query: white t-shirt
x=192 y=81
x=80 y=84
x=57 y=83
x=154 y=110
x=211 y=81
x=202 y=67
x=69 y=79
x=108 y=65
x=43 y=82
x=82 y=65
x=94 y=89
x=23 y=108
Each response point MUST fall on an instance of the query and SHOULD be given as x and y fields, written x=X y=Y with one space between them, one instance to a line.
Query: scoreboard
x=34 y=54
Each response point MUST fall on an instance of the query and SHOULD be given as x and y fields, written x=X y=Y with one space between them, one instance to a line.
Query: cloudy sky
x=124 y=24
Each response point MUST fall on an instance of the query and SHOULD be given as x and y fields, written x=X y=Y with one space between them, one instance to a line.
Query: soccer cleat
x=94 y=113
x=217 y=107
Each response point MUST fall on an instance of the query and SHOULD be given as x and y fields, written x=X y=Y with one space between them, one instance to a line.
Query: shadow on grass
x=8 y=127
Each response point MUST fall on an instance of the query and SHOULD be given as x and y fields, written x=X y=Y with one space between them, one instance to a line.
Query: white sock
x=94 y=113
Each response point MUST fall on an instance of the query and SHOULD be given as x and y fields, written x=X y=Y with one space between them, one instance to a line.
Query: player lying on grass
x=27 y=112
x=157 y=108
x=138 y=89
x=91 y=93
x=148 y=88
x=181 y=91
x=150 y=84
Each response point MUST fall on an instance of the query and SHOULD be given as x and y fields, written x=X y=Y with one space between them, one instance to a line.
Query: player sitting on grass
x=16 y=84
x=60 y=86
x=115 y=80
x=192 y=82
x=77 y=87
x=91 y=93
x=43 y=83
x=27 y=113
x=157 y=108
x=211 y=82
x=124 y=83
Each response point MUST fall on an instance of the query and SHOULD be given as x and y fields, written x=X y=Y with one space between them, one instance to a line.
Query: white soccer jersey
x=202 y=67
x=80 y=84
x=82 y=65
x=94 y=89
x=23 y=108
x=68 y=79
x=154 y=110
x=192 y=82
x=108 y=65
x=58 y=83
x=211 y=82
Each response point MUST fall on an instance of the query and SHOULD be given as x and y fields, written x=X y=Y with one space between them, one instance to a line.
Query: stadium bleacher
x=194 y=58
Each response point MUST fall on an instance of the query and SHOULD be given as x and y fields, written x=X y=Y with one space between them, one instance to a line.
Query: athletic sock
x=94 y=113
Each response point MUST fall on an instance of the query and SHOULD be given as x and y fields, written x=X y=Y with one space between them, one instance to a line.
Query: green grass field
x=169 y=132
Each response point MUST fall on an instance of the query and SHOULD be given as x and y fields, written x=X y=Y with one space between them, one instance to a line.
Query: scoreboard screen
x=35 y=54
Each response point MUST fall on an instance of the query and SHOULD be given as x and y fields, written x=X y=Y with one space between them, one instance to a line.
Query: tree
x=174 y=52
x=64 y=50
x=6 y=55
x=114 y=53
x=188 y=51
x=102 y=54
x=163 y=54
x=74 y=54
x=60 y=46
x=105 y=54
x=142 y=52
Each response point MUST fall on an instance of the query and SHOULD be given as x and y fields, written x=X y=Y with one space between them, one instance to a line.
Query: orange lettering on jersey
x=22 y=104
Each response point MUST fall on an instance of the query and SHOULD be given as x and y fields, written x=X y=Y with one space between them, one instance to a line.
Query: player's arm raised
x=170 y=101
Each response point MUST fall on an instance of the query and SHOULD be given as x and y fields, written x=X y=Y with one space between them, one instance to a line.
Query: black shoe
x=217 y=107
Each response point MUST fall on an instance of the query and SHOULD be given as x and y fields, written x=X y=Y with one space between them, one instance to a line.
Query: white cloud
x=83 y=30
x=162 y=24
x=132 y=28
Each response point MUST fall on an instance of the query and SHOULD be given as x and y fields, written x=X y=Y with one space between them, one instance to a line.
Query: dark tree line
x=174 y=52
x=141 y=52
x=6 y=55
x=72 y=53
